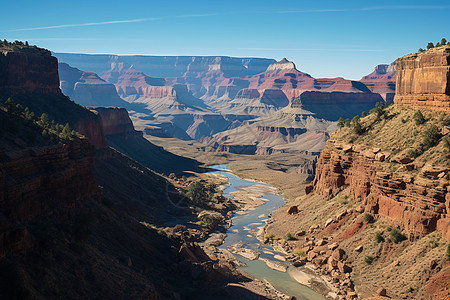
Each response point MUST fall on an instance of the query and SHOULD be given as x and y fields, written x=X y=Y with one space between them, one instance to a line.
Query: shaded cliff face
x=55 y=221
x=28 y=72
x=423 y=79
x=114 y=120
x=120 y=134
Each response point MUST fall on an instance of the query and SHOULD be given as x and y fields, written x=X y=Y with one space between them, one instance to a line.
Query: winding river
x=244 y=230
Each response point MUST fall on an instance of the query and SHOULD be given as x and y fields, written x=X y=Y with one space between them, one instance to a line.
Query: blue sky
x=326 y=39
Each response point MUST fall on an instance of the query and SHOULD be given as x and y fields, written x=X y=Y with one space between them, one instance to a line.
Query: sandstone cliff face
x=35 y=72
x=423 y=79
x=34 y=180
x=417 y=204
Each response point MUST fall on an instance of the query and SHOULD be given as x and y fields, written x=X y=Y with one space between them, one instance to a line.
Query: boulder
x=338 y=254
x=344 y=268
x=381 y=292
x=292 y=210
x=333 y=246
x=359 y=248
x=300 y=233
x=380 y=156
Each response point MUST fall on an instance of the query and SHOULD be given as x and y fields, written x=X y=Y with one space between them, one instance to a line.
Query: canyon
x=109 y=201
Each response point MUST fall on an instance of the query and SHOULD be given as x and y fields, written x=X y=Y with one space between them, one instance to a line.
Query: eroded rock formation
x=417 y=204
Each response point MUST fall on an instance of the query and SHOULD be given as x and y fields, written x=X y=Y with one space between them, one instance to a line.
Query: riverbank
x=256 y=202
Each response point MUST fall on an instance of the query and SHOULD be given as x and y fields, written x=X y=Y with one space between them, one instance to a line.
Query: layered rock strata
x=423 y=79
x=416 y=203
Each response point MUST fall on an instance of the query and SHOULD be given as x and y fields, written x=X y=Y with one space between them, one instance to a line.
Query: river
x=244 y=229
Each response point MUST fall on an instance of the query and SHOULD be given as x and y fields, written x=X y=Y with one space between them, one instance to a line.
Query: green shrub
x=198 y=193
x=379 y=237
x=368 y=259
x=448 y=252
x=419 y=119
x=271 y=236
x=397 y=236
x=341 y=123
x=431 y=137
x=368 y=218
x=290 y=237
x=300 y=253
x=378 y=110
x=447 y=143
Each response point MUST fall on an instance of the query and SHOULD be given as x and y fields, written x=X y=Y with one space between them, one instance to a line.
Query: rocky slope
x=423 y=79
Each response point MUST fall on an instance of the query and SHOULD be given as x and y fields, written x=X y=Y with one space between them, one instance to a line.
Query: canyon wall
x=35 y=71
x=423 y=79
x=170 y=66
x=115 y=120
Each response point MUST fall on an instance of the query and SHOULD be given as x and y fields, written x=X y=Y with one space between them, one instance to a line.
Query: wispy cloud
x=370 y=8
x=110 y=22
x=313 y=49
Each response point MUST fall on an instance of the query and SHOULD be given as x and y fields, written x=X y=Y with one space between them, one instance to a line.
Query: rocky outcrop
x=33 y=72
x=417 y=204
x=33 y=181
x=423 y=79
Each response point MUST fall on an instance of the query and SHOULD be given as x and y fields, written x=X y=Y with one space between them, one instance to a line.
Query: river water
x=244 y=230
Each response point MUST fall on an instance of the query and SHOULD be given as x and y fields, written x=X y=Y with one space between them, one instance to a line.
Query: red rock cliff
x=417 y=204
x=423 y=79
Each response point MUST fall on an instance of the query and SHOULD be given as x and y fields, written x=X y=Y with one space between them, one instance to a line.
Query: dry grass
x=397 y=133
